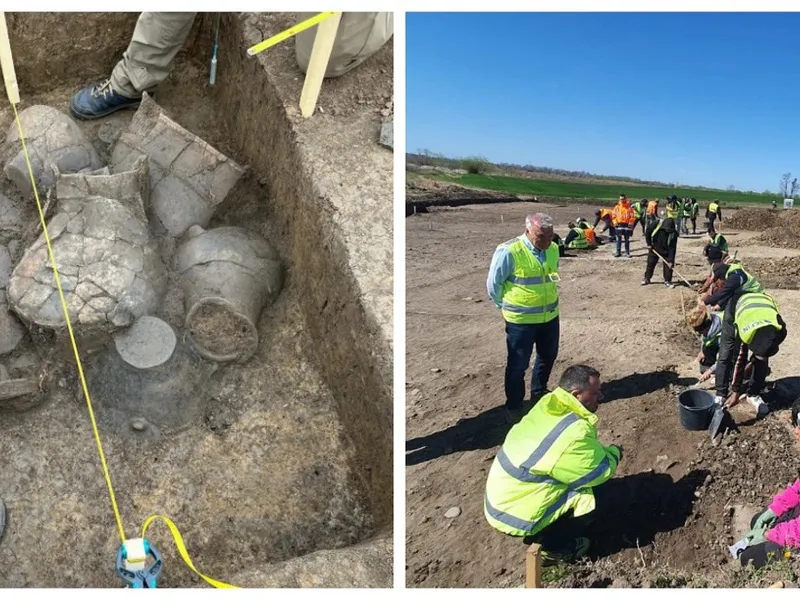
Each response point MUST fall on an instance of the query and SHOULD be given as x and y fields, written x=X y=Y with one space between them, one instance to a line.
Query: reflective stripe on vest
x=530 y=294
x=754 y=311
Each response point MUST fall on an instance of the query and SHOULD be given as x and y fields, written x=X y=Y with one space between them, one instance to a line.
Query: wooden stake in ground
x=7 y=62
x=318 y=64
x=533 y=566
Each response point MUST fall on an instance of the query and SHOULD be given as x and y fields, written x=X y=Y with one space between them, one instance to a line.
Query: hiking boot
x=99 y=100
x=762 y=408
x=628 y=255
x=645 y=282
x=574 y=550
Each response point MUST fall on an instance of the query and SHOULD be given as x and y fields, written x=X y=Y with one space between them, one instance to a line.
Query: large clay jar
x=229 y=276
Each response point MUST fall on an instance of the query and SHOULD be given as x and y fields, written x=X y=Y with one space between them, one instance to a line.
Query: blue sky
x=695 y=98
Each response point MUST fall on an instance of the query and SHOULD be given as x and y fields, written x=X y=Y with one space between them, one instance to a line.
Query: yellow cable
x=71 y=334
x=182 y=549
x=292 y=31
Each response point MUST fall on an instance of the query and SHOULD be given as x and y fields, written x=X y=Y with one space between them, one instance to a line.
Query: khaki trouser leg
x=156 y=41
x=360 y=35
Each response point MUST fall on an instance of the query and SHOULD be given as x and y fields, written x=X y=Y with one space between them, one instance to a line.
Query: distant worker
x=580 y=238
x=661 y=239
x=604 y=215
x=523 y=283
x=671 y=209
x=623 y=219
x=713 y=212
x=679 y=205
x=695 y=210
x=639 y=209
x=717 y=239
x=686 y=216
x=737 y=284
x=651 y=213
x=760 y=330
x=709 y=326
x=546 y=480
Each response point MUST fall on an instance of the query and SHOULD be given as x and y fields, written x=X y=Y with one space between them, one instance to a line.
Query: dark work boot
x=567 y=553
x=99 y=100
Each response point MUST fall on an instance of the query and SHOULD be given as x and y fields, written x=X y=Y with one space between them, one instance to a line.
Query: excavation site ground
x=694 y=499
x=276 y=465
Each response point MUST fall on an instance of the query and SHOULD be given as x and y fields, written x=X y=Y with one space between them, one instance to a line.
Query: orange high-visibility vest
x=652 y=208
x=623 y=214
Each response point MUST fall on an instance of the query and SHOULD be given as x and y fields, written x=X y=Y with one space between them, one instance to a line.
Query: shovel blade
x=716 y=421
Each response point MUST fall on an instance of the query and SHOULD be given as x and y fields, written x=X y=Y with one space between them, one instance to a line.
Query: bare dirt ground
x=694 y=498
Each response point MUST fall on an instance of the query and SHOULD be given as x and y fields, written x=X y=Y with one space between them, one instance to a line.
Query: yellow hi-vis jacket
x=547 y=466
x=754 y=311
x=530 y=295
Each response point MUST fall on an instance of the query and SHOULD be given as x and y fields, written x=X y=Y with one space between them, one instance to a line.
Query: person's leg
x=628 y=242
x=652 y=261
x=729 y=344
x=547 y=338
x=360 y=35
x=761 y=554
x=759 y=380
x=156 y=41
x=694 y=225
x=619 y=243
x=666 y=271
x=519 y=342
x=147 y=62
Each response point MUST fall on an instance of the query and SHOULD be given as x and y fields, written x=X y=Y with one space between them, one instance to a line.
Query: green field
x=594 y=191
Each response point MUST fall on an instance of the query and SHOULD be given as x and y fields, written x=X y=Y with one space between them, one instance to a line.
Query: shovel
x=717 y=419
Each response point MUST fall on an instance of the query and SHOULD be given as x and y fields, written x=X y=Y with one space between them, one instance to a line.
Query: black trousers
x=694 y=225
x=652 y=261
x=729 y=345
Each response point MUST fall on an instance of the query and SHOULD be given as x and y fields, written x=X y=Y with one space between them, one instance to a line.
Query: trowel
x=720 y=412
x=2 y=517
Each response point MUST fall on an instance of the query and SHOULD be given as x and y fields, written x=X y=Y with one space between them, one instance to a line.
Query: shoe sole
x=84 y=117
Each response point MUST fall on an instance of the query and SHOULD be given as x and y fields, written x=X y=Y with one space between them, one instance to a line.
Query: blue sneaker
x=98 y=100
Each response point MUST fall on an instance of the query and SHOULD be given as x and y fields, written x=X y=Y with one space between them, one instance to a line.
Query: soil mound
x=753 y=219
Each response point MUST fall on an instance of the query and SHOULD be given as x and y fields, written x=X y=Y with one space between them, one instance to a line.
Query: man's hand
x=766 y=520
x=619 y=450
x=705 y=376
x=733 y=400
x=700 y=356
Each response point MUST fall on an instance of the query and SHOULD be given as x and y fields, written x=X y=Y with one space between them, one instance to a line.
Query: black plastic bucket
x=696 y=407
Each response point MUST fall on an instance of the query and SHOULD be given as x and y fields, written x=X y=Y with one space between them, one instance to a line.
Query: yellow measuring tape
x=292 y=31
x=172 y=527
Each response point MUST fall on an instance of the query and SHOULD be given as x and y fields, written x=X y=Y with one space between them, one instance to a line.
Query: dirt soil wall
x=354 y=359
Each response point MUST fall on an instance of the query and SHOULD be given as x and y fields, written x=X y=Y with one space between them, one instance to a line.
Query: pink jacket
x=786 y=534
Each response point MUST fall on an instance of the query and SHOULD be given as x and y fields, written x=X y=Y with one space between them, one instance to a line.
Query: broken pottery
x=108 y=265
x=55 y=144
x=189 y=178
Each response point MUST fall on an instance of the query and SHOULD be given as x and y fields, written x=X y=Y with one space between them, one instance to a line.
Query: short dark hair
x=577 y=377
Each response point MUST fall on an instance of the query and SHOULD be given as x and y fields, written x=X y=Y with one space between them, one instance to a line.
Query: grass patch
x=555 y=573
x=594 y=191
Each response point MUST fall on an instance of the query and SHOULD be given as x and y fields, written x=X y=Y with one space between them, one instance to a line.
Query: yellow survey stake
x=292 y=31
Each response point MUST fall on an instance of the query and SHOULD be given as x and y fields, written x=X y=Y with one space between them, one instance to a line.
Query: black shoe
x=514 y=415
x=574 y=550
x=99 y=100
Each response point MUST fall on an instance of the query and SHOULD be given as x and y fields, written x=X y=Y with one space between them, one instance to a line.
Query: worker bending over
x=713 y=212
x=604 y=215
x=661 y=239
x=580 y=238
x=623 y=219
x=523 y=283
x=760 y=330
x=717 y=239
x=709 y=326
x=737 y=284
x=543 y=484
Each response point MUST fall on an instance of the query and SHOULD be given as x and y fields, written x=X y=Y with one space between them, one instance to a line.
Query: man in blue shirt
x=522 y=282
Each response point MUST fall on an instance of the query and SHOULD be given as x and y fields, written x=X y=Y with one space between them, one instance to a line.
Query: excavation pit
x=282 y=475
